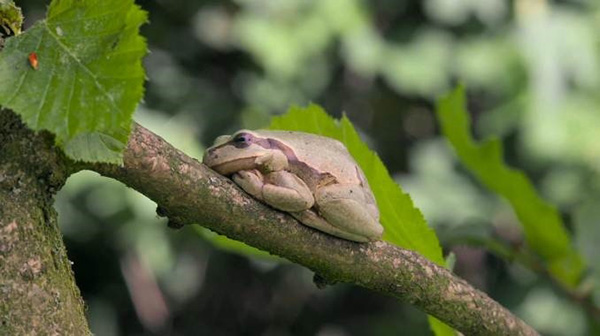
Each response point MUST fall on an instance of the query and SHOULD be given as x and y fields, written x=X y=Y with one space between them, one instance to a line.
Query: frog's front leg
x=252 y=181
x=350 y=209
x=280 y=189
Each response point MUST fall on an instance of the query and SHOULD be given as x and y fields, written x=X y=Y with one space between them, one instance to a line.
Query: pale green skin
x=314 y=178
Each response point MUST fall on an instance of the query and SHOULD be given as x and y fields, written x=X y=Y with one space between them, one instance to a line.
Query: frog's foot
x=312 y=219
x=251 y=181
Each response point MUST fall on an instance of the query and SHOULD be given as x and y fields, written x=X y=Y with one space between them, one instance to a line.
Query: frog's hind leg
x=312 y=219
x=351 y=209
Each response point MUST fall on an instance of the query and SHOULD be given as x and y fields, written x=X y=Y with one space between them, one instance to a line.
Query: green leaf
x=89 y=77
x=543 y=228
x=439 y=328
x=404 y=224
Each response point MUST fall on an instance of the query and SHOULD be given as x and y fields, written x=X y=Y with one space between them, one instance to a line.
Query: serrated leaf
x=542 y=225
x=89 y=75
x=403 y=222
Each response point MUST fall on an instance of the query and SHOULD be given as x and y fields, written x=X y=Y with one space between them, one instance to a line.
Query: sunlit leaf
x=543 y=228
x=89 y=76
x=404 y=224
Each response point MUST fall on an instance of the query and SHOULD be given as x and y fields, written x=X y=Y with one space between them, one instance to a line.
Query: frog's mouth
x=230 y=167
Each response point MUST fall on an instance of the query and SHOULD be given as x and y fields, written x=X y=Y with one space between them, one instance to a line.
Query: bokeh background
x=532 y=73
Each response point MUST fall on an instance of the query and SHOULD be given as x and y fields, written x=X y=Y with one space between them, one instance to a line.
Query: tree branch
x=188 y=192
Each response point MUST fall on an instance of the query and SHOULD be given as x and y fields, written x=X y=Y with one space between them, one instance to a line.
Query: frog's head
x=232 y=153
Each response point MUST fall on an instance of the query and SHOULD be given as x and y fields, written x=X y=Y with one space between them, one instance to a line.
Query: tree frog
x=312 y=177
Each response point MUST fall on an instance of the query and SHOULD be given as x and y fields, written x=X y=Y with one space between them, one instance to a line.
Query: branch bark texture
x=38 y=295
x=188 y=192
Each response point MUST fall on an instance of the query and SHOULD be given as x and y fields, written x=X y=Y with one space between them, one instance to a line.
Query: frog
x=313 y=178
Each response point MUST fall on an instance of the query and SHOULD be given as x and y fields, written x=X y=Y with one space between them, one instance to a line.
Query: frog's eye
x=242 y=140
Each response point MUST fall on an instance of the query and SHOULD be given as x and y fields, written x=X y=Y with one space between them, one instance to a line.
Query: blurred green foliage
x=531 y=69
x=543 y=228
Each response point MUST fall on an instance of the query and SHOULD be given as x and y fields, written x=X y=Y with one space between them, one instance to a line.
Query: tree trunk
x=38 y=294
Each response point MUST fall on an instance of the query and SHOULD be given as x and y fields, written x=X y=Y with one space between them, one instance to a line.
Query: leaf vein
x=87 y=71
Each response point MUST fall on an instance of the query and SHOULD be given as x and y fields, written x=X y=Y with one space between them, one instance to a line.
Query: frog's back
x=321 y=153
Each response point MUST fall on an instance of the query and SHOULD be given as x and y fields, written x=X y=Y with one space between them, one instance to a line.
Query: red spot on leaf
x=33 y=60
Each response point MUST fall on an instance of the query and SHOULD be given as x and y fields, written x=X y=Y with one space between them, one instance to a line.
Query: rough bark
x=38 y=295
x=188 y=192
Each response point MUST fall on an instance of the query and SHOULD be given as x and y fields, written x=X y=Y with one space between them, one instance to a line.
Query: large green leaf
x=542 y=225
x=404 y=224
x=89 y=77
